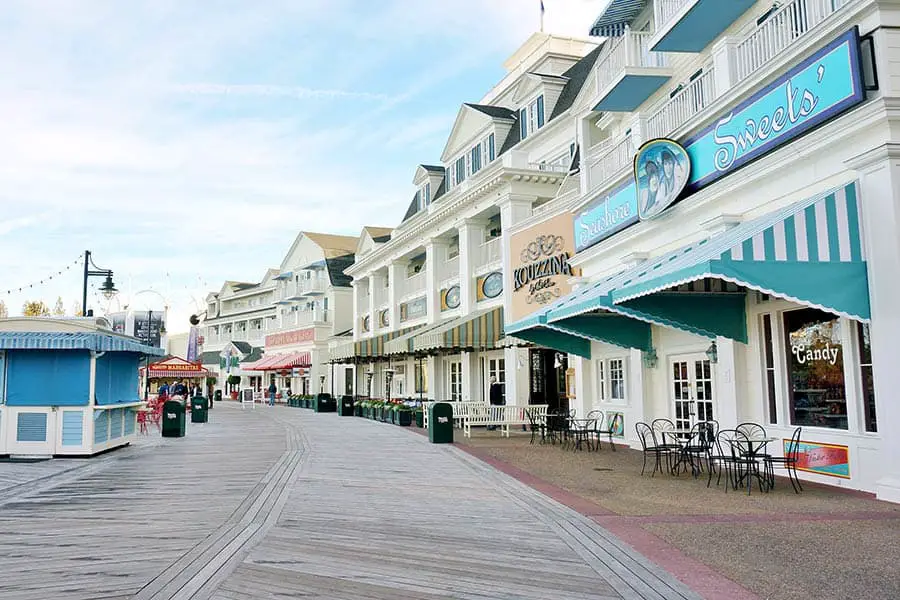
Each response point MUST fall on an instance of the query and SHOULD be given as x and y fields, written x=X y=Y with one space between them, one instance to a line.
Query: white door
x=454 y=380
x=691 y=387
x=495 y=368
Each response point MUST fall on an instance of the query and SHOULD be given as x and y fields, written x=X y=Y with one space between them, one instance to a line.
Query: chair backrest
x=713 y=428
x=595 y=414
x=728 y=442
x=794 y=445
x=752 y=430
x=662 y=425
x=644 y=433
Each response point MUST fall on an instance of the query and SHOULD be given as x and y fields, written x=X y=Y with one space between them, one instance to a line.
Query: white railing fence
x=612 y=162
x=679 y=109
x=490 y=252
x=414 y=284
x=632 y=49
x=664 y=10
x=784 y=27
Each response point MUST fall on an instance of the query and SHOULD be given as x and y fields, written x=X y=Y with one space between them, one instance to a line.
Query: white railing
x=239 y=335
x=382 y=296
x=312 y=286
x=679 y=109
x=288 y=290
x=782 y=29
x=415 y=284
x=449 y=271
x=664 y=10
x=312 y=317
x=489 y=253
x=289 y=319
x=616 y=159
x=548 y=166
x=632 y=49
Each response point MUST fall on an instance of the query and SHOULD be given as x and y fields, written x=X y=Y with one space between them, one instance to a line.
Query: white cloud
x=165 y=145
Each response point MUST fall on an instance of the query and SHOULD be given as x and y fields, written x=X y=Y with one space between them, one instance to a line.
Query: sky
x=187 y=142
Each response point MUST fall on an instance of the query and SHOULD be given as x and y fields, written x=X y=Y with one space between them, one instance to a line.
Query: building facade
x=429 y=303
x=735 y=227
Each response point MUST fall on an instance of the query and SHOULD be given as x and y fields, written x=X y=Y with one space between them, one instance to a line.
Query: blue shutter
x=130 y=418
x=101 y=426
x=460 y=169
x=115 y=423
x=31 y=427
x=72 y=427
x=427 y=193
x=523 y=123
x=491 y=147
x=418 y=201
x=540 y=111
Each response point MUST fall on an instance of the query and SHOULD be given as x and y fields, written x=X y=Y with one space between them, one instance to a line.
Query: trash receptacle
x=199 y=410
x=173 y=419
x=347 y=406
x=218 y=396
x=325 y=403
x=440 y=423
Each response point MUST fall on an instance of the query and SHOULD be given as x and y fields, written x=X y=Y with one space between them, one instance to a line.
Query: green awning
x=809 y=253
x=481 y=330
x=373 y=347
x=404 y=344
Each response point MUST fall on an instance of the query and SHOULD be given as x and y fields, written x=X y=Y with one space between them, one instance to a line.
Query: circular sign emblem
x=492 y=286
x=662 y=168
x=384 y=318
x=366 y=323
x=452 y=297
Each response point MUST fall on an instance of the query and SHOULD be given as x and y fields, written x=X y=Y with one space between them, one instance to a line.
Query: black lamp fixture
x=108 y=289
x=650 y=358
x=712 y=353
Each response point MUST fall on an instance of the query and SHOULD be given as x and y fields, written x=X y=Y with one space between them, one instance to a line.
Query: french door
x=691 y=387
x=454 y=380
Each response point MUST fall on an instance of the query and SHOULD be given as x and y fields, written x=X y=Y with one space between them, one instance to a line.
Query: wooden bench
x=503 y=417
x=460 y=410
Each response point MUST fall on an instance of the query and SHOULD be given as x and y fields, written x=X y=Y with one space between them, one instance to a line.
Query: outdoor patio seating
x=650 y=445
x=787 y=462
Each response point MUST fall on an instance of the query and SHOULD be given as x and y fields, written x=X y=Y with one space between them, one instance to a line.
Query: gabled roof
x=577 y=74
x=433 y=168
x=495 y=112
x=413 y=207
x=336 y=266
x=379 y=234
x=333 y=245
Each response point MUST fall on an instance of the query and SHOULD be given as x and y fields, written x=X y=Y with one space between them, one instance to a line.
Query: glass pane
x=815 y=361
x=767 y=341
x=868 y=389
x=770 y=390
x=865 y=344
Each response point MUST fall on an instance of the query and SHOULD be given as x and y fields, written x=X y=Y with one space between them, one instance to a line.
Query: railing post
x=724 y=53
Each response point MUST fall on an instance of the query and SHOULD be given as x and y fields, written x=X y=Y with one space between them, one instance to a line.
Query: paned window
x=865 y=373
x=769 y=366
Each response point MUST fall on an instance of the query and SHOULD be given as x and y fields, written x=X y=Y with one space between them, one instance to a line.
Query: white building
x=429 y=302
x=766 y=291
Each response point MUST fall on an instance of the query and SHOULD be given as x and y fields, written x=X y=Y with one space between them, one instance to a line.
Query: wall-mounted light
x=650 y=359
x=712 y=353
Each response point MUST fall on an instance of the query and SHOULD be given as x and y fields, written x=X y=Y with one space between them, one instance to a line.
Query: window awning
x=810 y=253
x=289 y=361
x=99 y=342
x=373 y=347
x=481 y=330
x=618 y=15
x=700 y=288
x=404 y=343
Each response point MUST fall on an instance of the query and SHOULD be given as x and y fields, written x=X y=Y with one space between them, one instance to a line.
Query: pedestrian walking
x=272 y=391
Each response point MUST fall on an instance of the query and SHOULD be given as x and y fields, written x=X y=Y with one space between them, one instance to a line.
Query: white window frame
x=604 y=368
x=454 y=380
x=3 y=377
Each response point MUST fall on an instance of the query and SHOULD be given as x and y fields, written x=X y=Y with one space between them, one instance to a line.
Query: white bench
x=503 y=417
x=460 y=410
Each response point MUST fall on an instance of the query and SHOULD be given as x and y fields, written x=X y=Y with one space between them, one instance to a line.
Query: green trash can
x=440 y=423
x=324 y=403
x=199 y=410
x=173 y=419
x=346 y=409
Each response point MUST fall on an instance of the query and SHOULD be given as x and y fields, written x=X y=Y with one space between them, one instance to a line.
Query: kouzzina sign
x=540 y=264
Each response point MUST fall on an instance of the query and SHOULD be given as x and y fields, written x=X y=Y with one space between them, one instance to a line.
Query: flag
x=542 y=6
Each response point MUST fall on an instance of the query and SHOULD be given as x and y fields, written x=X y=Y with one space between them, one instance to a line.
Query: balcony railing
x=415 y=285
x=312 y=286
x=382 y=296
x=288 y=290
x=255 y=335
x=610 y=163
x=313 y=317
x=553 y=167
x=632 y=49
x=664 y=10
x=679 y=109
x=490 y=253
x=449 y=272
x=782 y=29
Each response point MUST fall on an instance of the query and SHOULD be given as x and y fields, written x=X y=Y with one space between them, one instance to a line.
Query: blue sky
x=186 y=142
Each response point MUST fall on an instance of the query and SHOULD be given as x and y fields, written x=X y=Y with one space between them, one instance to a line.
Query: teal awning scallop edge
x=99 y=342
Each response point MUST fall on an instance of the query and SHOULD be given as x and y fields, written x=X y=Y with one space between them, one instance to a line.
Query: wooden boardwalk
x=285 y=503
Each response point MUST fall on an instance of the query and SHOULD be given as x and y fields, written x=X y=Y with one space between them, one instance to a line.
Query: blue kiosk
x=68 y=386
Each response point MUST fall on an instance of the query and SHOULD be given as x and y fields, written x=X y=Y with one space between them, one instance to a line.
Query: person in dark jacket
x=495 y=395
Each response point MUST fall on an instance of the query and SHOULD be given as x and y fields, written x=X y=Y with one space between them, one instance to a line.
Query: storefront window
x=769 y=352
x=815 y=361
x=865 y=372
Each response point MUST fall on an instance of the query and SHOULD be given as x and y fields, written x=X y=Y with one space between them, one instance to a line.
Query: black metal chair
x=787 y=462
x=537 y=425
x=604 y=427
x=649 y=444
x=746 y=464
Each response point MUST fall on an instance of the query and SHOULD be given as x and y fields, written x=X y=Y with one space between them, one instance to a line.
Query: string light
x=68 y=267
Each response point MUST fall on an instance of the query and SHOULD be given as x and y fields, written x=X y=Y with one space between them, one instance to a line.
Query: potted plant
x=419 y=416
x=404 y=416
x=234 y=381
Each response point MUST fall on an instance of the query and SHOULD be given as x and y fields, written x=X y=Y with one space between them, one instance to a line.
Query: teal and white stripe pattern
x=825 y=230
x=100 y=342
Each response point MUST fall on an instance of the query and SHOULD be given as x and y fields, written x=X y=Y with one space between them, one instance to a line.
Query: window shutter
x=523 y=123
x=540 y=111
x=491 y=147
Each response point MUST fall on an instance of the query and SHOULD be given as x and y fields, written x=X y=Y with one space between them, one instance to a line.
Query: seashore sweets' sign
x=823 y=86
x=291 y=337
x=539 y=257
x=825 y=459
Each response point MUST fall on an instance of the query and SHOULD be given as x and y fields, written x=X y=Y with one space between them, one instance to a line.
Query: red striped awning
x=278 y=362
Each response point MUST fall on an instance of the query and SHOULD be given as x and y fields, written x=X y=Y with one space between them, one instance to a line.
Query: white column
x=723 y=53
x=517 y=372
x=583 y=139
x=471 y=377
x=436 y=252
x=726 y=387
x=471 y=237
x=396 y=276
x=359 y=306
x=513 y=210
x=374 y=280
x=635 y=390
x=879 y=200
x=433 y=377
x=638 y=130
x=584 y=391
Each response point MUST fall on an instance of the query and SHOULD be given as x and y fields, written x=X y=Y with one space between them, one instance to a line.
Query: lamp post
x=108 y=288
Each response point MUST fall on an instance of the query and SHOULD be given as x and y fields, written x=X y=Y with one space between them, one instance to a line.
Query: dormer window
x=531 y=117
x=423 y=196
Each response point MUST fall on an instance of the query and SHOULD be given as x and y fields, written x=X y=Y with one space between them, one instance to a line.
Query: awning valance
x=261 y=364
x=618 y=15
x=342 y=350
x=99 y=342
x=481 y=330
x=373 y=347
x=289 y=361
x=404 y=343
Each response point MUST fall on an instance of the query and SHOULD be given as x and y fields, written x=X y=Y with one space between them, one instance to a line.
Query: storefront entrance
x=548 y=379
x=691 y=385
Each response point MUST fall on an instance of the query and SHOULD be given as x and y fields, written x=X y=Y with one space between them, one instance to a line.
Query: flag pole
x=542 y=16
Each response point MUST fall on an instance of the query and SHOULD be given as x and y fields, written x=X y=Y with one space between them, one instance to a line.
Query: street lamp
x=108 y=289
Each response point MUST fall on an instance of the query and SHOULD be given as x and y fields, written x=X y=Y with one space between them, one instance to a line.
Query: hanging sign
x=661 y=170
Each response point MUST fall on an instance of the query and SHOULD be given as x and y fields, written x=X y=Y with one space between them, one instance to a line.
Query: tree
x=59 y=310
x=3 y=311
x=35 y=309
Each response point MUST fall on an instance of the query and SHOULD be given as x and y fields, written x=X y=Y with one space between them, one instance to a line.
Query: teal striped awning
x=99 y=342
x=618 y=15
x=810 y=252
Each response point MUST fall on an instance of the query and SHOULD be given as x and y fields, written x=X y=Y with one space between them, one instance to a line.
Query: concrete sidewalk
x=281 y=502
